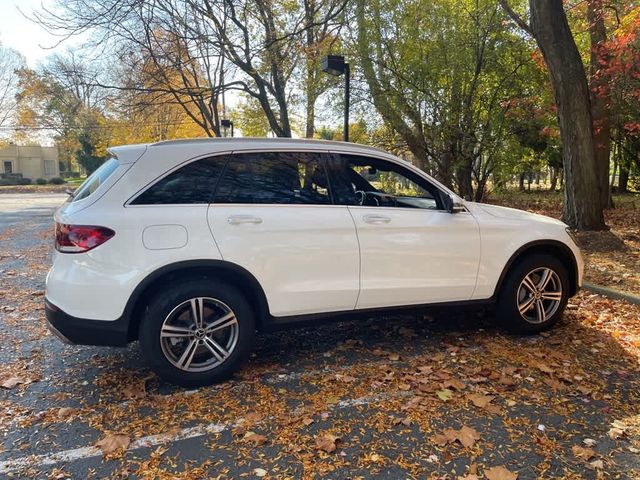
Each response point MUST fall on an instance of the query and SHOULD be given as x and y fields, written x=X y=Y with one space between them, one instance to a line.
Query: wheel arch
x=549 y=247
x=228 y=272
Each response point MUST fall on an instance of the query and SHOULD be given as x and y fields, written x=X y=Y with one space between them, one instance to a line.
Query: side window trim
x=439 y=192
x=159 y=178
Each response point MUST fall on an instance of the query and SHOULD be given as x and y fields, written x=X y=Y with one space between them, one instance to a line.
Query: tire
x=516 y=292
x=180 y=352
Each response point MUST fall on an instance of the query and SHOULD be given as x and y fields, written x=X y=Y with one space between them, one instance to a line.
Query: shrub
x=24 y=181
x=41 y=181
x=5 y=182
x=56 y=181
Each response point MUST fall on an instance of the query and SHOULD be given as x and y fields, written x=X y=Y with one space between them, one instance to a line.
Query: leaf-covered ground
x=440 y=396
x=612 y=257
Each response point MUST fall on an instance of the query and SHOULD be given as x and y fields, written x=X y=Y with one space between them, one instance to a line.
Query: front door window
x=371 y=182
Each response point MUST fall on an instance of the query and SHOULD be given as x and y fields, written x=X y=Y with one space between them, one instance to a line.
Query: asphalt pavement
x=388 y=397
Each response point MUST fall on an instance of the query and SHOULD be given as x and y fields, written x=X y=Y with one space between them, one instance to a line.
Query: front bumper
x=73 y=330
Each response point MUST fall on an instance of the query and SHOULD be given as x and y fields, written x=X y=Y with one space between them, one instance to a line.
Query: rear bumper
x=73 y=330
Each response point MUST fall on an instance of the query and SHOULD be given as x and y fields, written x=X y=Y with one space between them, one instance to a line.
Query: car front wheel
x=197 y=333
x=534 y=294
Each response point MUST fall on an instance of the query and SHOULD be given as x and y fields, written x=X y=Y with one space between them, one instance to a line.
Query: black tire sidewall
x=507 y=311
x=165 y=301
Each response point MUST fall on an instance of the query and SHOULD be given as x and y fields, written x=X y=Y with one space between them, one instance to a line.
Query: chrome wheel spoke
x=216 y=349
x=544 y=279
x=223 y=322
x=555 y=296
x=197 y=311
x=528 y=284
x=170 y=331
x=526 y=305
x=540 y=312
x=187 y=356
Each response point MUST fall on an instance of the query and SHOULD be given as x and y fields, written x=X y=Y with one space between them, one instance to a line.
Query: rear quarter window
x=96 y=179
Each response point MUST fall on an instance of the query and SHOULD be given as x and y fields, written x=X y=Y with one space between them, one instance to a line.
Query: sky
x=25 y=36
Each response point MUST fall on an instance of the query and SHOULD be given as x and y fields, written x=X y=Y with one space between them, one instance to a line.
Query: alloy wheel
x=539 y=295
x=199 y=334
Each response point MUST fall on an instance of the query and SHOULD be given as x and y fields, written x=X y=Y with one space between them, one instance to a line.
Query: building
x=30 y=161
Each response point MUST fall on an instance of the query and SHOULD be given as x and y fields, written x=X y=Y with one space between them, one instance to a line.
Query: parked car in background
x=191 y=246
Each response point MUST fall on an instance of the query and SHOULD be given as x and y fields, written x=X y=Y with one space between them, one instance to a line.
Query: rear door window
x=275 y=178
x=191 y=184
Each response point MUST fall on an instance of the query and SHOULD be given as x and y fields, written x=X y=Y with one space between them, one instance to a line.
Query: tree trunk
x=463 y=179
x=521 y=182
x=554 y=179
x=582 y=209
x=623 y=177
x=599 y=99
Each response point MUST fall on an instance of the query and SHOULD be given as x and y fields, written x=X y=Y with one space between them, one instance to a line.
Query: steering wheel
x=360 y=197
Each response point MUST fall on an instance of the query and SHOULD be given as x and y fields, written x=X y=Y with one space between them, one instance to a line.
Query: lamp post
x=335 y=65
x=226 y=124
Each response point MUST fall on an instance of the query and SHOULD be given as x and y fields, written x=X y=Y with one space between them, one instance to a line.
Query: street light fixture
x=226 y=124
x=335 y=65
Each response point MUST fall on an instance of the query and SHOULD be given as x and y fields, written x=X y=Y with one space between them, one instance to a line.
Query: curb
x=611 y=293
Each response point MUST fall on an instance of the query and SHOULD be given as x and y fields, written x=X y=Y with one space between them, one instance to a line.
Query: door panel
x=305 y=257
x=411 y=251
x=272 y=215
x=415 y=256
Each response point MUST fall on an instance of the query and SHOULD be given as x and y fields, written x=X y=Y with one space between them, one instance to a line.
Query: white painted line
x=72 y=455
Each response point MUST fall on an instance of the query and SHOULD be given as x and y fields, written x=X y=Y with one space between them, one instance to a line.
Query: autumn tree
x=582 y=194
x=441 y=74
x=10 y=62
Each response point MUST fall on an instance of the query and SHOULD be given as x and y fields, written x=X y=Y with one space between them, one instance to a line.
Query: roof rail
x=249 y=140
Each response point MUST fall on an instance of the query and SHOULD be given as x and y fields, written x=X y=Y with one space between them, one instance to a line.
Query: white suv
x=191 y=246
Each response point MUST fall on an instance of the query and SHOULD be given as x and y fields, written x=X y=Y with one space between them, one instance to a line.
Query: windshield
x=96 y=179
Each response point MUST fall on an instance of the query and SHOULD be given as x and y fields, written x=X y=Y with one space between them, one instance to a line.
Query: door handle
x=376 y=219
x=240 y=219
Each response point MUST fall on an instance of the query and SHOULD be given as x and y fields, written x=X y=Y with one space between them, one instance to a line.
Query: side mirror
x=453 y=206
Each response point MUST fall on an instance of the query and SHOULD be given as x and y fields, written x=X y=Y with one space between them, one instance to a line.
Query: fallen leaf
x=326 y=442
x=253 y=417
x=260 y=472
x=597 y=464
x=467 y=436
x=255 y=438
x=12 y=382
x=113 y=442
x=345 y=378
x=500 y=473
x=64 y=413
x=480 y=400
x=444 y=394
x=615 y=433
x=583 y=453
x=543 y=367
x=135 y=390
x=454 y=383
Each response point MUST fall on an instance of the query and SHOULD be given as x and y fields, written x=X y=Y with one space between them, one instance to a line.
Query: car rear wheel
x=534 y=294
x=197 y=333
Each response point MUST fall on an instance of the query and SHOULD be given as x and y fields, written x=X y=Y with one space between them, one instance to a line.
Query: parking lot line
x=71 y=455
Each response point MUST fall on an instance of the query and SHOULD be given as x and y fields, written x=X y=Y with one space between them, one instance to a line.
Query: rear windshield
x=96 y=179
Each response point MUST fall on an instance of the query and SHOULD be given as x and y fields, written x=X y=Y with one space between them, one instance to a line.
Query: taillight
x=80 y=238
